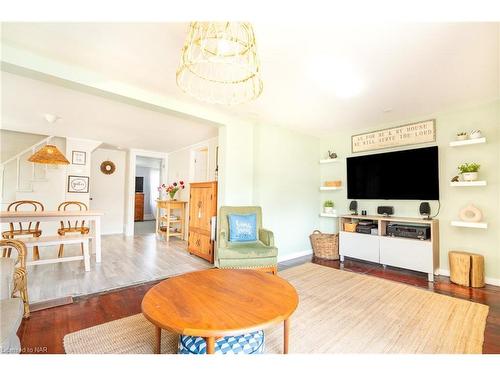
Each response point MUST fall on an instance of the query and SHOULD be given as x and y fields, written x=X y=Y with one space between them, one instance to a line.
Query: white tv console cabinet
x=413 y=254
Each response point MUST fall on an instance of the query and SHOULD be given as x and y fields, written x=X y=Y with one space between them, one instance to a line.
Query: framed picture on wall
x=78 y=184
x=79 y=158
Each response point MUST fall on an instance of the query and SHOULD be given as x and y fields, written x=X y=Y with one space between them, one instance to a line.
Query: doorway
x=199 y=165
x=147 y=181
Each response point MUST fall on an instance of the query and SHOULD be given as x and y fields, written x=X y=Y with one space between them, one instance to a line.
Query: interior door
x=200 y=165
x=107 y=192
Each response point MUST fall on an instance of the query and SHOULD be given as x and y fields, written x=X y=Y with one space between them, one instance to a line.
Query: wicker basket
x=325 y=246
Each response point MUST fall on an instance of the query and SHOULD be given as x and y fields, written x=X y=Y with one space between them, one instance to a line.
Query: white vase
x=470 y=176
x=328 y=210
x=475 y=134
x=462 y=137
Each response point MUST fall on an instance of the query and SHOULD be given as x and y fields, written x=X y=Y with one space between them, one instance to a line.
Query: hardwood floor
x=125 y=261
x=44 y=331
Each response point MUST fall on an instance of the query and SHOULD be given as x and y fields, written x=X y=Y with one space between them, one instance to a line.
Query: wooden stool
x=466 y=268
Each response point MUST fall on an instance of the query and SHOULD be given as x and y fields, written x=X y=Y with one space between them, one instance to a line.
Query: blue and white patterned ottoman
x=249 y=343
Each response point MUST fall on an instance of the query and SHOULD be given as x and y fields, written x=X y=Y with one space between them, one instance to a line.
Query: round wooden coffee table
x=220 y=302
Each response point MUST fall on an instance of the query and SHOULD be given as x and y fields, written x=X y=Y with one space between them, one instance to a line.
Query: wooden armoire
x=202 y=219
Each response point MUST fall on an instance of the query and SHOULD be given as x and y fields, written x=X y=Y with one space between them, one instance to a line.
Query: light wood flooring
x=125 y=261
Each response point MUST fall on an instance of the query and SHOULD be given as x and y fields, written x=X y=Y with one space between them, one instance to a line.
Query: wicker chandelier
x=48 y=154
x=219 y=63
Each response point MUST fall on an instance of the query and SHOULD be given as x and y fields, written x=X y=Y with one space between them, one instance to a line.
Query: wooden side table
x=164 y=223
x=466 y=269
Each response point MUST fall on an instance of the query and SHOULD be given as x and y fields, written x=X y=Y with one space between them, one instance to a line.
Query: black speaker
x=354 y=207
x=425 y=210
x=385 y=210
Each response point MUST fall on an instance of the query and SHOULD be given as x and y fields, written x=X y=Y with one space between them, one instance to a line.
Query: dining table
x=93 y=217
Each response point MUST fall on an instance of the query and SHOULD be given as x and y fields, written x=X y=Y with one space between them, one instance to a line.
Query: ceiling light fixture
x=219 y=63
x=51 y=119
x=49 y=154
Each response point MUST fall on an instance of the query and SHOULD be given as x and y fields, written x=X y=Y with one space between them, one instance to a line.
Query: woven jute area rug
x=339 y=312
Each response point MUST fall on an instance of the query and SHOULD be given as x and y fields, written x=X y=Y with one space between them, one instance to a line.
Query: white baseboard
x=487 y=280
x=291 y=256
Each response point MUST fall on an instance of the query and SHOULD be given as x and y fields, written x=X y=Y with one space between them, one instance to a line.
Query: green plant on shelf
x=469 y=167
x=328 y=203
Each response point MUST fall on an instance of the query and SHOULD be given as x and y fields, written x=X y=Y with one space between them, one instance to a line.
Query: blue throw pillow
x=242 y=228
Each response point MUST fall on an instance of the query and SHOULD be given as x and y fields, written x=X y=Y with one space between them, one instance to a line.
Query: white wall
x=236 y=158
x=12 y=143
x=87 y=146
x=285 y=185
x=108 y=191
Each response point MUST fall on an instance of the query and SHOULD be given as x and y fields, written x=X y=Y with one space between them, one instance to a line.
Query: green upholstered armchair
x=260 y=254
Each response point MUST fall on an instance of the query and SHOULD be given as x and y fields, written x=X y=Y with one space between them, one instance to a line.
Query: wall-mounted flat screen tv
x=407 y=175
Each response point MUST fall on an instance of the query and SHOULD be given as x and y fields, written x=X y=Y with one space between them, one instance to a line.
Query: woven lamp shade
x=48 y=154
x=219 y=63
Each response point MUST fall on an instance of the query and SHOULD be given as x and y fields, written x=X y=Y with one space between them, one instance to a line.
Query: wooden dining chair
x=32 y=228
x=70 y=228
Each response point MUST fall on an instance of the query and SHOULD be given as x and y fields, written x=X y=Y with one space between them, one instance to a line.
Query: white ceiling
x=25 y=101
x=406 y=70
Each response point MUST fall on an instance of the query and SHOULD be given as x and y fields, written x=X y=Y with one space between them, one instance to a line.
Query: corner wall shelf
x=327 y=161
x=328 y=215
x=467 y=224
x=468 y=142
x=327 y=188
x=469 y=183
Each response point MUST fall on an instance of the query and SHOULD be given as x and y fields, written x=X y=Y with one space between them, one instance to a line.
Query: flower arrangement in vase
x=172 y=189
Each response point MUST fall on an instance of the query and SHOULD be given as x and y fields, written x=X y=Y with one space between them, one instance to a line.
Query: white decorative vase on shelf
x=463 y=137
x=470 y=176
x=471 y=214
x=475 y=134
x=328 y=210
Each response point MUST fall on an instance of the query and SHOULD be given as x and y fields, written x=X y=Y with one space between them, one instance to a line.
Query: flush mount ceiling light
x=219 y=63
x=51 y=119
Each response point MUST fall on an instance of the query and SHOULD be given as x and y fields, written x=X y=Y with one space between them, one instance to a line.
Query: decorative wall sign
x=79 y=158
x=78 y=184
x=108 y=167
x=410 y=134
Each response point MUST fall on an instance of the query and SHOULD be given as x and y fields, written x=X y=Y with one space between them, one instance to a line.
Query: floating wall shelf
x=468 y=183
x=327 y=161
x=467 y=224
x=326 y=188
x=328 y=215
x=468 y=142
